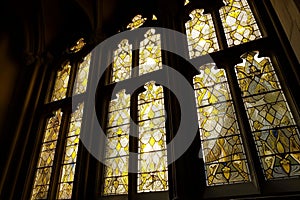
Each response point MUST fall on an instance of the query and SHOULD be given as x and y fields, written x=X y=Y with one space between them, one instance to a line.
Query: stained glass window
x=150 y=53
x=273 y=127
x=137 y=21
x=238 y=22
x=46 y=158
x=61 y=83
x=122 y=62
x=82 y=75
x=70 y=156
x=78 y=46
x=152 y=159
x=201 y=34
x=117 y=147
x=224 y=156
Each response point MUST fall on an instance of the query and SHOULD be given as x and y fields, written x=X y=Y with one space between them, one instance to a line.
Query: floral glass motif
x=273 y=127
x=70 y=156
x=152 y=158
x=61 y=83
x=117 y=147
x=45 y=162
x=201 y=35
x=224 y=155
x=78 y=46
x=82 y=75
x=137 y=21
x=238 y=22
x=150 y=53
x=122 y=62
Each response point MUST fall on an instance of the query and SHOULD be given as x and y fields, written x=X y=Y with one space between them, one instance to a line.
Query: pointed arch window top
x=137 y=21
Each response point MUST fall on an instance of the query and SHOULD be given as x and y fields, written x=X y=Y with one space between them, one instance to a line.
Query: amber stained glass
x=224 y=156
x=201 y=35
x=70 y=156
x=46 y=158
x=82 y=75
x=117 y=147
x=274 y=129
x=152 y=159
x=61 y=83
x=238 y=22
x=78 y=46
x=150 y=53
x=122 y=62
x=137 y=21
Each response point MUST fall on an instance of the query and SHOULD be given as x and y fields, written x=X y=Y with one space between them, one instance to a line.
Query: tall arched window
x=248 y=140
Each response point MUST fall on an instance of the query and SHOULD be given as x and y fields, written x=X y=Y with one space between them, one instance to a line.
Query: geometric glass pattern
x=201 y=35
x=137 y=21
x=152 y=149
x=82 y=75
x=272 y=124
x=78 y=46
x=224 y=155
x=238 y=22
x=45 y=162
x=70 y=156
x=117 y=147
x=150 y=53
x=122 y=62
x=61 y=83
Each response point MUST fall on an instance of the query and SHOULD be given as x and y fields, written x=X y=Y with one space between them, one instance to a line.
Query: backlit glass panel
x=122 y=62
x=222 y=147
x=152 y=158
x=46 y=158
x=150 y=53
x=70 y=156
x=61 y=83
x=82 y=75
x=238 y=22
x=273 y=127
x=201 y=35
x=117 y=147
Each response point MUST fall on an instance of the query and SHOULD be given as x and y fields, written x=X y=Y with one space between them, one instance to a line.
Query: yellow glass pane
x=224 y=156
x=122 y=62
x=78 y=46
x=238 y=22
x=70 y=157
x=45 y=162
x=152 y=147
x=61 y=83
x=117 y=146
x=201 y=35
x=274 y=129
x=150 y=53
x=82 y=75
x=137 y=21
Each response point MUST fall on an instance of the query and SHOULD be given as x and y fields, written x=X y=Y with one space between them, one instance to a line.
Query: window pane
x=61 y=83
x=273 y=127
x=45 y=162
x=78 y=46
x=222 y=147
x=201 y=34
x=150 y=53
x=122 y=62
x=82 y=75
x=117 y=147
x=238 y=22
x=71 y=149
x=137 y=21
x=152 y=165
